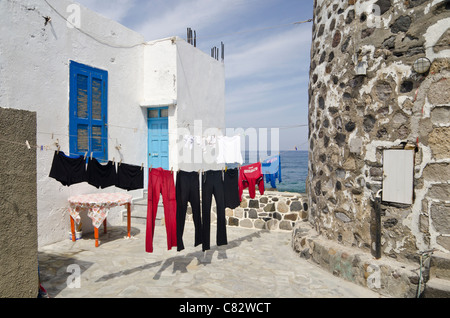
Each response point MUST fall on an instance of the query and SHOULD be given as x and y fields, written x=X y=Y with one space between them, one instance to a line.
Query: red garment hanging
x=250 y=176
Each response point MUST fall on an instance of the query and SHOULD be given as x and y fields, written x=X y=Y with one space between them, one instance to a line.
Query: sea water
x=294 y=169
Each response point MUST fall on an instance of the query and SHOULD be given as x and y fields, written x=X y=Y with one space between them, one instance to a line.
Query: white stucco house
x=141 y=98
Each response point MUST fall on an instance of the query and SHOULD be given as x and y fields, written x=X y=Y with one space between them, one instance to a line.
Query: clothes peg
x=142 y=166
x=58 y=150
x=171 y=170
x=120 y=162
x=91 y=155
x=28 y=144
x=151 y=167
x=85 y=155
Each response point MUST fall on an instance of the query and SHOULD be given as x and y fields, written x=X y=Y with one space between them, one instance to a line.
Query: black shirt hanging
x=68 y=170
x=231 y=188
x=101 y=176
x=130 y=177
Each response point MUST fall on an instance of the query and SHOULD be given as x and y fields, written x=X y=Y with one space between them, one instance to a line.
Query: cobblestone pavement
x=254 y=264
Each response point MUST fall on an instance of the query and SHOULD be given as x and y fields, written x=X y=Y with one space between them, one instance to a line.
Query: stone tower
x=379 y=81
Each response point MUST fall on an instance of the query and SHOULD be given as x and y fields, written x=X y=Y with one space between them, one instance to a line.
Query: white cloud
x=281 y=52
x=113 y=9
x=168 y=18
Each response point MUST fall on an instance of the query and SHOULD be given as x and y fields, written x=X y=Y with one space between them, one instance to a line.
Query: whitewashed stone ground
x=254 y=264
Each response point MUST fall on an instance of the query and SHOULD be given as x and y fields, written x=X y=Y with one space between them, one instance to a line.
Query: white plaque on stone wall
x=398 y=174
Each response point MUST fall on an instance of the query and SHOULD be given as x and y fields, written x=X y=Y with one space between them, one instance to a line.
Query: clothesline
x=228 y=153
x=43 y=147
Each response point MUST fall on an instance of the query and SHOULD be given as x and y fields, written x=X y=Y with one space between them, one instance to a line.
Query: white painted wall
x=160 y=72
x=34 y=75
x=193 y=85
x=160 y=85
x=201 y=100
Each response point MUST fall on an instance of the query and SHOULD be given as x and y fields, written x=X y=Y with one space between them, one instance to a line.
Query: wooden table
x=97 y=207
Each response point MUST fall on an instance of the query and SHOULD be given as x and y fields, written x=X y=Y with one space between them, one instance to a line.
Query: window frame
x=91 y=73
x=158 y=109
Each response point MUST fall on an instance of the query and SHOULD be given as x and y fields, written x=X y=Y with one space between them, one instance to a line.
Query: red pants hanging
x=160 y=181
x=249 y=177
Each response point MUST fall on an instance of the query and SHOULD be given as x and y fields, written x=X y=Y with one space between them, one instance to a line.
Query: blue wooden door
x=158 y=138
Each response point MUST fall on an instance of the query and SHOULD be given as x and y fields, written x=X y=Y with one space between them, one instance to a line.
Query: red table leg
x=128 y=218
x=96 y=236
x=72 y=228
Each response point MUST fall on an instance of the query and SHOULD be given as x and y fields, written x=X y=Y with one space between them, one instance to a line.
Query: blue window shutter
x=88 y=111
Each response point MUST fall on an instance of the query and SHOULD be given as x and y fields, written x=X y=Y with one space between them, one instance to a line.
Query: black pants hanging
x=188 y=189
x=212 y=184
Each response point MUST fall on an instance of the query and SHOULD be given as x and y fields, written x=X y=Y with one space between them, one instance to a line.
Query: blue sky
x=266 y=56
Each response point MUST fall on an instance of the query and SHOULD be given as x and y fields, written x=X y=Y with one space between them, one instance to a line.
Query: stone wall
x=356 y=113
x=18 y=205
x=271 y=211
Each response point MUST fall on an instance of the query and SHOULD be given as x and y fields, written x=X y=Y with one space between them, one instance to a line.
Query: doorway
x=158 y=137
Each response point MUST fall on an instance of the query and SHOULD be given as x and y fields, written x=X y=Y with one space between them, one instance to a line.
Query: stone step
x=440 y=265
x=438 y=286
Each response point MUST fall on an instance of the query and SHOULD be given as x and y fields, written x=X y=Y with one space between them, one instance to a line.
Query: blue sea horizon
x=294 y=168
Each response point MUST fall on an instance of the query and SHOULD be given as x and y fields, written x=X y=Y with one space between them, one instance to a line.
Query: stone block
x=239 y=213
x=285 y=225
x=291 y=216
x=444 y=241
x=401 y=24
x=383 y=90
x=272 y=224
x=232 y=221
x=282 y=207
x=439 y=92
x=437 y=172
x=253 y=204
x=440 y=114
x=349 y=164
x=252 y=214
x=296 y=206
x=259 y=224
x=439 y=192
x=440 y=216
x=343 y=217
x=269 y=207
x=246 y=223
x=439 y=142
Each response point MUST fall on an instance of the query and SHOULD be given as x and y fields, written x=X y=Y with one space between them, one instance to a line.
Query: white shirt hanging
x=229 y=149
